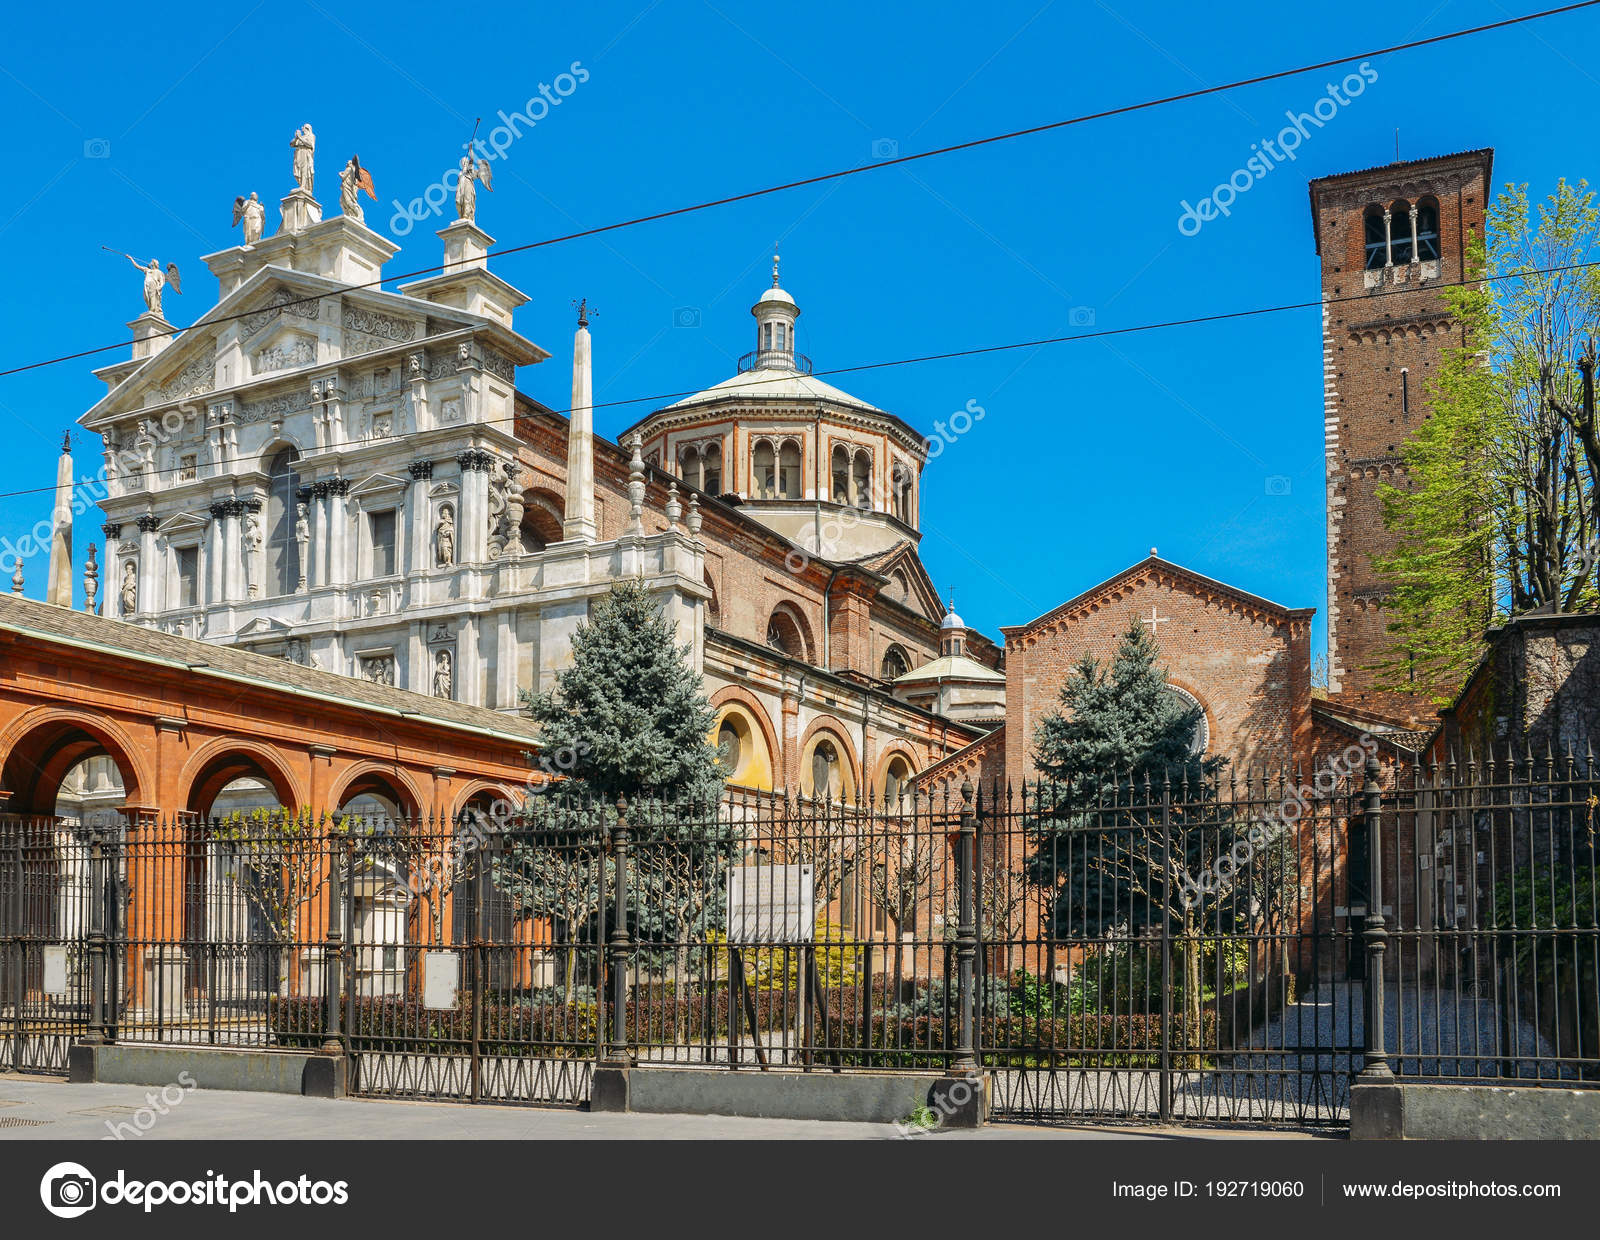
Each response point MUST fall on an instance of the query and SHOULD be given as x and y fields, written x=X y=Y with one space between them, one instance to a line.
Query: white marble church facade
x=327 y=472
x=332 y=476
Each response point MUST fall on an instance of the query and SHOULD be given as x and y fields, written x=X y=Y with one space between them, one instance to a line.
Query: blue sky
x=135 y=127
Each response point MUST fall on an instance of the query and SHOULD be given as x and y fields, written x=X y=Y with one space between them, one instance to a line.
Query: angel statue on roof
x=472 y=171
x=353 y=178
x=155 y=279
x=253 y=214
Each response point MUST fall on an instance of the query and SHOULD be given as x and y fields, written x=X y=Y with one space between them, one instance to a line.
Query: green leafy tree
x=281 y=863
x=1498 y=515
x=1121 y=738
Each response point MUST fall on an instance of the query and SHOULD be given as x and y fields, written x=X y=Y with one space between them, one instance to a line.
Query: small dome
x=776 y=295
x=951 y=621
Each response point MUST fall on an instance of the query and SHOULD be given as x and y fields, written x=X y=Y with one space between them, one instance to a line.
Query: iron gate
x=1229 y=952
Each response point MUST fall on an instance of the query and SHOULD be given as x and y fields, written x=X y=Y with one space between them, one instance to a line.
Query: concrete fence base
x=1405 y=1112
x=253 y=1071
x=862 y=1097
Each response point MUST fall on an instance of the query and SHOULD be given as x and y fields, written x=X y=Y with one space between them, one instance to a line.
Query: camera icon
x=68 y=1190
x=1081 y=316
x=885 y=148
x=686 y=316
x=1278 y=484
x=97 y=148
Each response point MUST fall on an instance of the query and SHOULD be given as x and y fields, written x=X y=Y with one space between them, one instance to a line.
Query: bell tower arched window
x=1400 y=232
x=1377 y=238
x=1427 y=230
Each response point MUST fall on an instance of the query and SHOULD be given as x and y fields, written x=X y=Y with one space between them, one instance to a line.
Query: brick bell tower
x=1389 y=239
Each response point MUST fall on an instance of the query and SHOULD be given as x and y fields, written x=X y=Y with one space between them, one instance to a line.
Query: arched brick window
x=1377 y=237
x=1427 y=229
x=1400 y=231
x=786 y=634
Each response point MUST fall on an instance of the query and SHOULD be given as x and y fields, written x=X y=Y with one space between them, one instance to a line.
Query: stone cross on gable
x=1153 y=620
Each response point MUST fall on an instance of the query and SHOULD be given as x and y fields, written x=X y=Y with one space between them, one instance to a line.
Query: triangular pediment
x=280 y=315
x=263 y=626
x=379 y=484
x=901 y=563
x=1154 y=571
x=183 y=522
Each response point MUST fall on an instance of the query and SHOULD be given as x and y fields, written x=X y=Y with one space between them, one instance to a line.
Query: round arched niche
x=894 y=787
x=742 y=749
x=827 y=768
x=1200 y=740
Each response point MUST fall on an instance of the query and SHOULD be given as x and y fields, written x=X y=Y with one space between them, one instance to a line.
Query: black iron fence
x=1225 y=951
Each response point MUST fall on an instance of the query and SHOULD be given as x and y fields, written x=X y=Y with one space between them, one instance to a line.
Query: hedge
x=518 y=1027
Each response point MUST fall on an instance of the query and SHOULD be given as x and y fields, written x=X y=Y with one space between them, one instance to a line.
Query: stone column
x=338 y=532
x=148 y=573
x=111 y=606
x=789 y=759
x=472 y=524
x=319 y=534
x=216 y=557
x=468 y=670
x=419 y=544
x=505 y=670
x=232 y=553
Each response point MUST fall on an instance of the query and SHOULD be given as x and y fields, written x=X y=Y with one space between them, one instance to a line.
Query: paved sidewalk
x=50 y=1109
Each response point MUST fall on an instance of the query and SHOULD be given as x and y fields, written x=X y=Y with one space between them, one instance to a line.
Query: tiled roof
x=57 y=624
x=773 y=385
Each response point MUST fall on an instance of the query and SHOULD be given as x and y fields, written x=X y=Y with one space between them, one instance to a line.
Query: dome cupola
x=775 y=315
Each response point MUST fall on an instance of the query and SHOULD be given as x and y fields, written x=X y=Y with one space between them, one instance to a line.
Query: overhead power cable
x=839 y=174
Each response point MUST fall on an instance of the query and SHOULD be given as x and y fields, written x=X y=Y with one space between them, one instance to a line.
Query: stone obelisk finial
x=58 y=589
x=578 y=517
